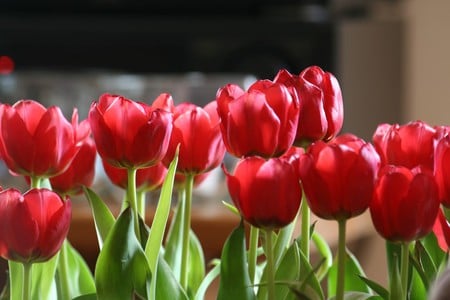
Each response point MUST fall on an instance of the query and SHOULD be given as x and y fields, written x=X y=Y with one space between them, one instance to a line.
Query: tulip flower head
x=339 y=177
x=321 y=106
x=260 y=121
x=405 y=203
x=36 y=141
x=266 y=192
x=130 y=134
x=196 y=130
x=409 y=145
x=34 y=225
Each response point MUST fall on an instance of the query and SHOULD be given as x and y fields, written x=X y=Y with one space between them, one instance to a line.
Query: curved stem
x=132 y=199
x=252 y=255
x=404 y=268
x=341 y=260
x=270 y=265
x=26 y=288
x=306 y=220
x=186 y=229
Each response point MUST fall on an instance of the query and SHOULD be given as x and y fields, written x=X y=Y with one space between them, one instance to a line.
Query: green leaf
x=417 y=289
x=353 y=274
x=122 y=268
x=154 y=242
x=73 y=273
x=433 y=250
x=196 y=271
x=288 y=272
x=103 y=218
x=167 y=286
x=231 y=208
x=86 y=297
x=377 y=288
x=42 y=276
x=209 y=278
x=43 y=279
x=310 y=285
x=284 y=237
x=323 y=248
x=172 y=249
x=361 y=296
x=234 y=278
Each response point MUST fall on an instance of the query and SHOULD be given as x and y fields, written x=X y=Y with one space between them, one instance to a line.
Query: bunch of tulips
x=291 y=161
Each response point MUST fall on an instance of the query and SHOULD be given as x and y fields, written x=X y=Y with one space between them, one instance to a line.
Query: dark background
x=257 y=37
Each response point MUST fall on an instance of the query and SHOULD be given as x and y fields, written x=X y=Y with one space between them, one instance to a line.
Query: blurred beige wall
x=427 y=61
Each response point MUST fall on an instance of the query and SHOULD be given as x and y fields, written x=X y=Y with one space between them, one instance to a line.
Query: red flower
x=408 y=145
x=405 y=203
x=36 y=141
x=34 y=225
x=197 y=131
x=130 y=134
x=321 y=106
x=266 y=192
x=261 y=121
x=81 y=171
x=338 y=178
x=6 y=65
x=148 y=178
x=441 y=229
x=442 y=170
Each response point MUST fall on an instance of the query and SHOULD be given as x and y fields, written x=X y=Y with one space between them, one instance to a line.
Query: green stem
x=132 y=199
x=35 y=182
x=27 y=270
x=63 y=272
x=306 y=220
x=252 y=255
x=141 y=204
x=341 y=255
x=186 y=229
x=404 y=268
x=270 y=265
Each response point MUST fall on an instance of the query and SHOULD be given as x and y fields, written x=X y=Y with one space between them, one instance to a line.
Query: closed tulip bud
x=196 y=130
x=33 y=226
x=408 y=145
x=36 y=141
x=338 y=177
x=130 y=134
x=405 y=203
x=442 y=170
x=260 y=121
x=321 y=106
x=267 y=193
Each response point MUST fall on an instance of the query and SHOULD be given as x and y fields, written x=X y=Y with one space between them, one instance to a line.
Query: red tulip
x=197 y=131
x=261 y=121
x=130 y=134
x=321 y=107
x=408 y=145
x=442 y=169
x=266 y=192
x=36 y=141
x=338 y=178
x=81 y=171
x=34 y=225
x=6 y=65
x=405 y=203
x=147 y=179
x=441 y=229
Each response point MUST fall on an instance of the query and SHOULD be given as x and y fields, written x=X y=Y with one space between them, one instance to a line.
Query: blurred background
x=390 y=57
